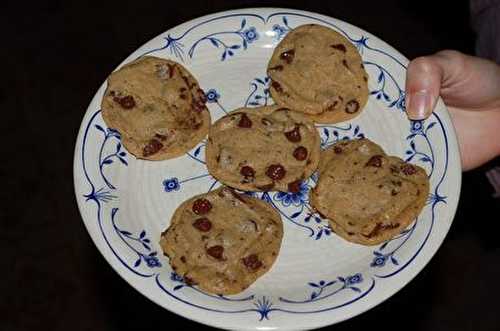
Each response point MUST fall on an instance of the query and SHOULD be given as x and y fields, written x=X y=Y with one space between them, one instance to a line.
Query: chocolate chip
x=182 y=89
x=171 y=69
x=279 y=67
x=201 y=95
x=332 y=106
x=152 y=147
x=203 y=224
x=196 y=126
x=408 y=169
x=288 y=56
x=247 y=172
x=198 y=106
x=374 y=161
x=189 y=281
x=183 y=96
x=344 y=62
x=127 y=102
x=352 y=106
x=294 y=187
x=277 y=87
x=340 y=47
x=379 y=227
x=300 y=153
x=394 y=192
x=375 y=230
x=245 y=121
x=252 y=262
x=201 y=206
x=183 y=259
x=216 y=252
x=276 y=171
x=294 y=135
x=337 y=150
x=162 y=137
x=365 y=78
x=266 y=188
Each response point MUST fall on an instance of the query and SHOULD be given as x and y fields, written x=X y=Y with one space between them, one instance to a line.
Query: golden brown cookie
x=316 y=70
x=223 y=241
x=262 y=149
x=368 y=196
x=158 y=108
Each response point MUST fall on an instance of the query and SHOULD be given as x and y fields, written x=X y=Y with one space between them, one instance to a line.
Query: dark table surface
x=57 y=53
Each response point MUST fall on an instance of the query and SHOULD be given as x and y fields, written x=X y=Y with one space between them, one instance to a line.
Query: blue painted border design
x=263 y=306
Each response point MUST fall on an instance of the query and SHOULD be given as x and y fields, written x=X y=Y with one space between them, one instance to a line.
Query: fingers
x=423 y=84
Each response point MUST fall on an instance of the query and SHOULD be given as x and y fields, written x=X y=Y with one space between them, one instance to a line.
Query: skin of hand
x=470 y=88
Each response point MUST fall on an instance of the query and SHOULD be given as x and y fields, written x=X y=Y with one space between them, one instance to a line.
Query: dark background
x=56 y=54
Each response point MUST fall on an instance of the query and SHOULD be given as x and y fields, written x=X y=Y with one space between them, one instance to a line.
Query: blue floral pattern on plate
x=137 y=253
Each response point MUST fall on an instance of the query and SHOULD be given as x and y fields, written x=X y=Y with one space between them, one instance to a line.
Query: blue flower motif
x=379 y=261
x=250 y=34
x=400 y=103
x=175 y=277
x=212 y=96
x=297 y=199
x=354 y=279
x=171 y=184
x=436 y=198
x=263 y=308
x=279 y=30
x=416 y=127
x=152 y=261
x=360 y=43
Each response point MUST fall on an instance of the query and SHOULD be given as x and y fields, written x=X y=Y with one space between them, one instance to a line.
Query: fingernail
x=419 y=105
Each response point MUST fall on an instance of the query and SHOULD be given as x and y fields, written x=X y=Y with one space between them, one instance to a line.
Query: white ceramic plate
x=318 y=278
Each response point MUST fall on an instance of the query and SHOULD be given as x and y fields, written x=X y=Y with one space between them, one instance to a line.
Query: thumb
x=423 y=84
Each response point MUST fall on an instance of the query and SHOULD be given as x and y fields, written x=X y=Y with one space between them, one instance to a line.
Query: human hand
x=470 y=88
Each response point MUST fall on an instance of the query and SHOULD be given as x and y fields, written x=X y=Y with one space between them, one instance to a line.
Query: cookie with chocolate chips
x=223 y=241
x=263 y=149
x=367 y=195
x=318 y=71
x=158 y=108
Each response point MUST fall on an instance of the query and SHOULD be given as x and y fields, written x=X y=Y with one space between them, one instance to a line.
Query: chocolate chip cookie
x=223 y=241
x=158 y=108
x=368 y=196
x=316 y=70
x=263 y=149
